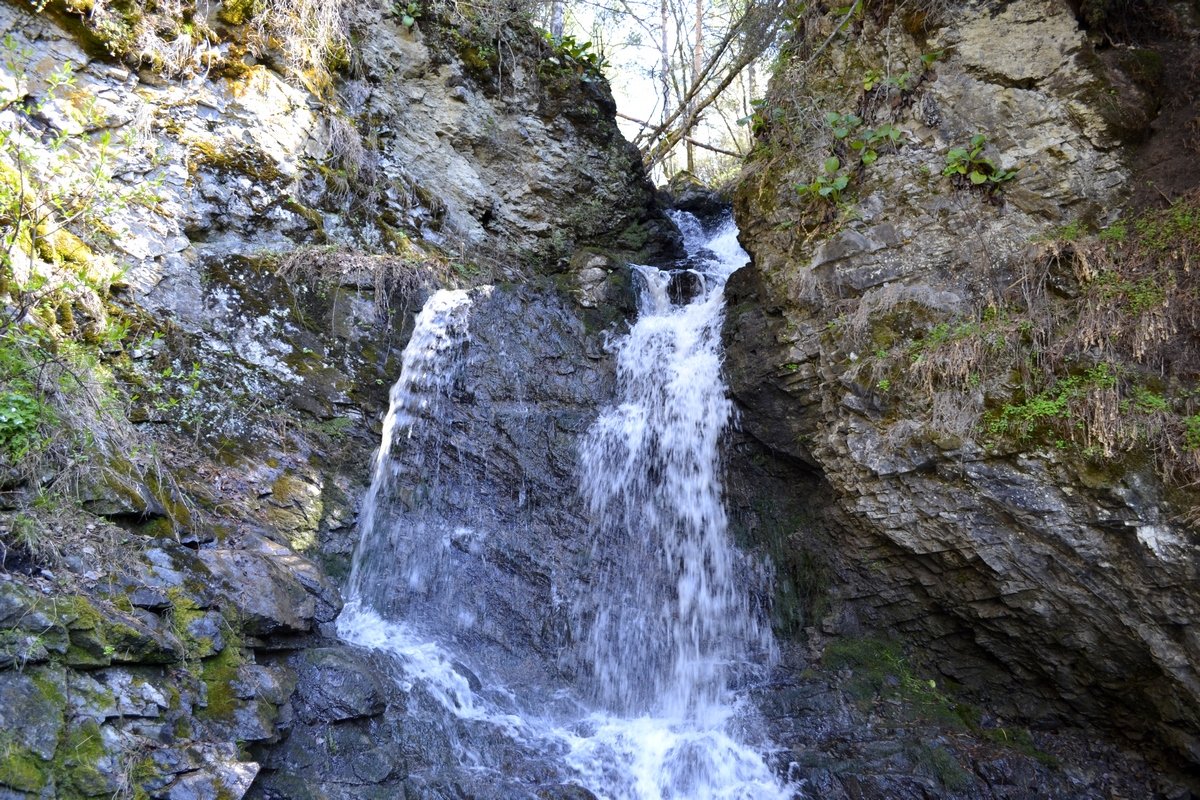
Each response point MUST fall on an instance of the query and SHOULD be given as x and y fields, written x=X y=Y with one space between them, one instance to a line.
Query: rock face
x=237 y=293
x=498 y=472
x=1031 y=561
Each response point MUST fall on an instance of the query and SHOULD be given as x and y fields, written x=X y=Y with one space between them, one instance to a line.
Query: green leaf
x=832 y=117
x=977 y=177
x=842 y=182
x=869 y=157
x=841 y=133
x=832 y=164
x=407 y=21
x=977 y=140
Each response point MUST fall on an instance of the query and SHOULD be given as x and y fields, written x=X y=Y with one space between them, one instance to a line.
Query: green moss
x=219 y=674
x=238 y=12
x=184 y=612
x=943 y=766
x=479 y=58
x=21 y=769
x=1172 y=229
x=879 y=670
x=226 y=157
x=316 y=222
x=145 y=771
x=77 y=761
x=160 y=528
x=77 y=612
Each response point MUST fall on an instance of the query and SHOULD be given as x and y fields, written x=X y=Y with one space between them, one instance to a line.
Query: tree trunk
x=556 y=19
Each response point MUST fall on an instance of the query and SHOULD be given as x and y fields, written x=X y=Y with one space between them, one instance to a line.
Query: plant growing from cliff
x=863 y=144
x=760 y=119
x=407 y=13
x=969 y=165
x=828 y=185
x=576 y=56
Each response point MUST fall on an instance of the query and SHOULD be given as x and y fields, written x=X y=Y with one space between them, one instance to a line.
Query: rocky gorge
x=965 y=454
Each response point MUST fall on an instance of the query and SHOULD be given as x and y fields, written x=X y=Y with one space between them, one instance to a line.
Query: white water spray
x=668 y=621
x=668 y=613
x=427 y=372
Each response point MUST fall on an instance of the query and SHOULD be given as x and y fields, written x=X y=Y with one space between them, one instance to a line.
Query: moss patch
x=21 y=769
x=219 y=674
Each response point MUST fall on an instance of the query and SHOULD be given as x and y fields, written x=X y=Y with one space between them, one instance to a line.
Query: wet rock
x=337 y=683
x=308 y=574
x=31 y=708
x=1015 y=569
x=686 y=193
x=229 y=779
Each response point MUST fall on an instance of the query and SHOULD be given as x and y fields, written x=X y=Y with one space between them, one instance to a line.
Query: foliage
x=1054 y=404
x=577 y=56
x=829 y=184
x=850 y=137
x=408 y=13
x=62 y=417
x=25 y=417
x=879 y=670
x=969 y=164
x=760 y=118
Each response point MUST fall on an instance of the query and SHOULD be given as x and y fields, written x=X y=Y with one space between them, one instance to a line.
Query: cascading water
x=671 y=624
x=665 y=622
x=668 y=614
x=392 y=563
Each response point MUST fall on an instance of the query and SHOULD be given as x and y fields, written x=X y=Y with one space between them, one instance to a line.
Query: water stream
x=665 y=624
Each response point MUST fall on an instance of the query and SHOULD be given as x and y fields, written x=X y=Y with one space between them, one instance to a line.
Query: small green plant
x=1172 y=228
x=1115 y=233
x=21 y=417
x=871 y=140
x=828 y=185
x=843 y=124
x=883 y=385
x=1073 y=231
x=970 y=165
x=408 y=13
x=1191 y=436
x=575 y=55
x=1054 y=404
x=761 y=117
x=932 y=57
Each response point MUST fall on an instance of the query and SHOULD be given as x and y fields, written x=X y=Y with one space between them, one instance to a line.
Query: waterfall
x=388 y=550
x=670 y=623
x=663 y=619
x=667 y=613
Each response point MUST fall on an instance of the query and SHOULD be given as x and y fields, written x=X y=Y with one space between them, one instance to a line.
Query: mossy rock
x=238 y=12
x=21 y=769
x=219 y=674
x=233 y=157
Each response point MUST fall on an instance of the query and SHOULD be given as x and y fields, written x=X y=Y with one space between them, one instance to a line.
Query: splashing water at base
x=668 y=629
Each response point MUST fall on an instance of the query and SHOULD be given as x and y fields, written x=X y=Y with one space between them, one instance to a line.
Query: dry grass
x=351 y=165
x=1091 y=349
x=313 y=37
x=387 y=276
